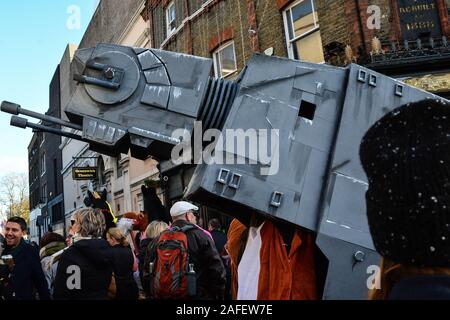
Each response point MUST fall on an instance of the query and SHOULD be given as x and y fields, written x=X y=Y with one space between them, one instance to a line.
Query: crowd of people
x=406 y=157
x=93 y=263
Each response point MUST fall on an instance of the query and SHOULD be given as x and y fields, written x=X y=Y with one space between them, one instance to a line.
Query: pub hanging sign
x=84 y=173
x=419 y=18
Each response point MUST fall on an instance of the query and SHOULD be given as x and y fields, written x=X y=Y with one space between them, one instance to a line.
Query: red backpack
x=171 y=267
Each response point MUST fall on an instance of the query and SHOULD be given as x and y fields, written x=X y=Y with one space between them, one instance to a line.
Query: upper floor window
x=170 y=18
x=225 y=60
x=43 y=139
x=119 y=169
x=43 y=164
x=302 y=31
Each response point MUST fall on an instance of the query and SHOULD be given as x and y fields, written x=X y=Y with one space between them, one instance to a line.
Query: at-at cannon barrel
x=23 y=124
x=15 y=109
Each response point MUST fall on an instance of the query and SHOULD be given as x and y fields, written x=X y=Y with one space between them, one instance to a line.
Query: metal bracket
x=373 y=80
x=399 y=90
x=362 y=75
x=275 y=201
x=235 y=181
x=223 y=176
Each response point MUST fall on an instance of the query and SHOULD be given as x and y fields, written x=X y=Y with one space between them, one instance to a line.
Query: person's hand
x=69 y=240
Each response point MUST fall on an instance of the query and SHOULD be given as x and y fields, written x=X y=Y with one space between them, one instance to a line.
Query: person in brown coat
x=262 y=268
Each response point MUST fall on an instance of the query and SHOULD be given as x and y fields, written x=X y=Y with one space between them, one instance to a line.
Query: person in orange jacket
x=264 y=267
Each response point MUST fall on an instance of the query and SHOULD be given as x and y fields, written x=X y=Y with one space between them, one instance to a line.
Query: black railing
x=407 y=50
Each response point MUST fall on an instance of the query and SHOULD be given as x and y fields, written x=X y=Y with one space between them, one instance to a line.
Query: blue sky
x=33 y=37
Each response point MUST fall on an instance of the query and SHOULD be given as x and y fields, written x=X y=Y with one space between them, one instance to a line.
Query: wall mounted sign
x=419 y=18
x=84 y=173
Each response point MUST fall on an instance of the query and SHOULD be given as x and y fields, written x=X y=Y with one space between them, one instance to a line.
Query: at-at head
x=130 y=98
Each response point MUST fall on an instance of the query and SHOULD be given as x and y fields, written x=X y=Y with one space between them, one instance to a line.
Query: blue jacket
x=27 y=272
x=423 y=287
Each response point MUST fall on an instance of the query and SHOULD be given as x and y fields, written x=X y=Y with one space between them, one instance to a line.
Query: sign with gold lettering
x=419 y=18
x=84 y=173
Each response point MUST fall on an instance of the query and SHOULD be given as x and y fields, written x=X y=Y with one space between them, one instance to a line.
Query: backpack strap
x=187 y=228
x=184 y=229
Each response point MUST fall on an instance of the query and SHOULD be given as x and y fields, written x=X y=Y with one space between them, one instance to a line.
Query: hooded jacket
x=84 y=271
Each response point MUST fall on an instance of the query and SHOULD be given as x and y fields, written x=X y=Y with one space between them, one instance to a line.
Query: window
x=302 y=32
x=43 y=164
x=44 y=193
x=119 y=168
x=42 y=138
x=57 y=213
x=225 y=60
x=55 y=176
x=170 y=19
x=307 y=110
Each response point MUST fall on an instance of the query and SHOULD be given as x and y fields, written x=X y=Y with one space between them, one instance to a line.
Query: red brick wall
x=220 y=38
x=443 y=14
x=271 y=33
x=233 y=19
x=281 y=4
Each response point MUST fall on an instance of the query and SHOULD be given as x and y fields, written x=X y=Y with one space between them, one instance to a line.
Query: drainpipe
x=253 y=26
x=361 y=28
x=188 y=31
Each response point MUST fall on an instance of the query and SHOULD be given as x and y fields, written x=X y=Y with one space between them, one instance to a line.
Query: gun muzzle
x=15 y=109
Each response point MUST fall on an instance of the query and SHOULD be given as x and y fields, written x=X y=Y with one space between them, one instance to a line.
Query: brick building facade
x=45 y=163
x=53 y=159
x=202 y=27
x=345 y=29
x=37 y=183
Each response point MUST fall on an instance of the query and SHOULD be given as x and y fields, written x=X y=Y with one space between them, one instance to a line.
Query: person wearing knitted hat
x=406 y=157
x=52 y=246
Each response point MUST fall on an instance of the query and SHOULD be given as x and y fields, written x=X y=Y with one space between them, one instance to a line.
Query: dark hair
x=50 y=237
x=214 y=223
x=20 y=221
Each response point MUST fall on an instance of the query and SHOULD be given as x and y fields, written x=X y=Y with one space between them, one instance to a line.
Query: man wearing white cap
x=208 y=265
x=183 y=210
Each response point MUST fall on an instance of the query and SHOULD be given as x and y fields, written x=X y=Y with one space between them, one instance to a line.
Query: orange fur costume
x=281 y=276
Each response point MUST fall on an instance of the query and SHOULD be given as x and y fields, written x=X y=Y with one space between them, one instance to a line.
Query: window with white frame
x=43 y=164
x=302 y=32
x=170 y=18
x=43 y=139
x=225 y=60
